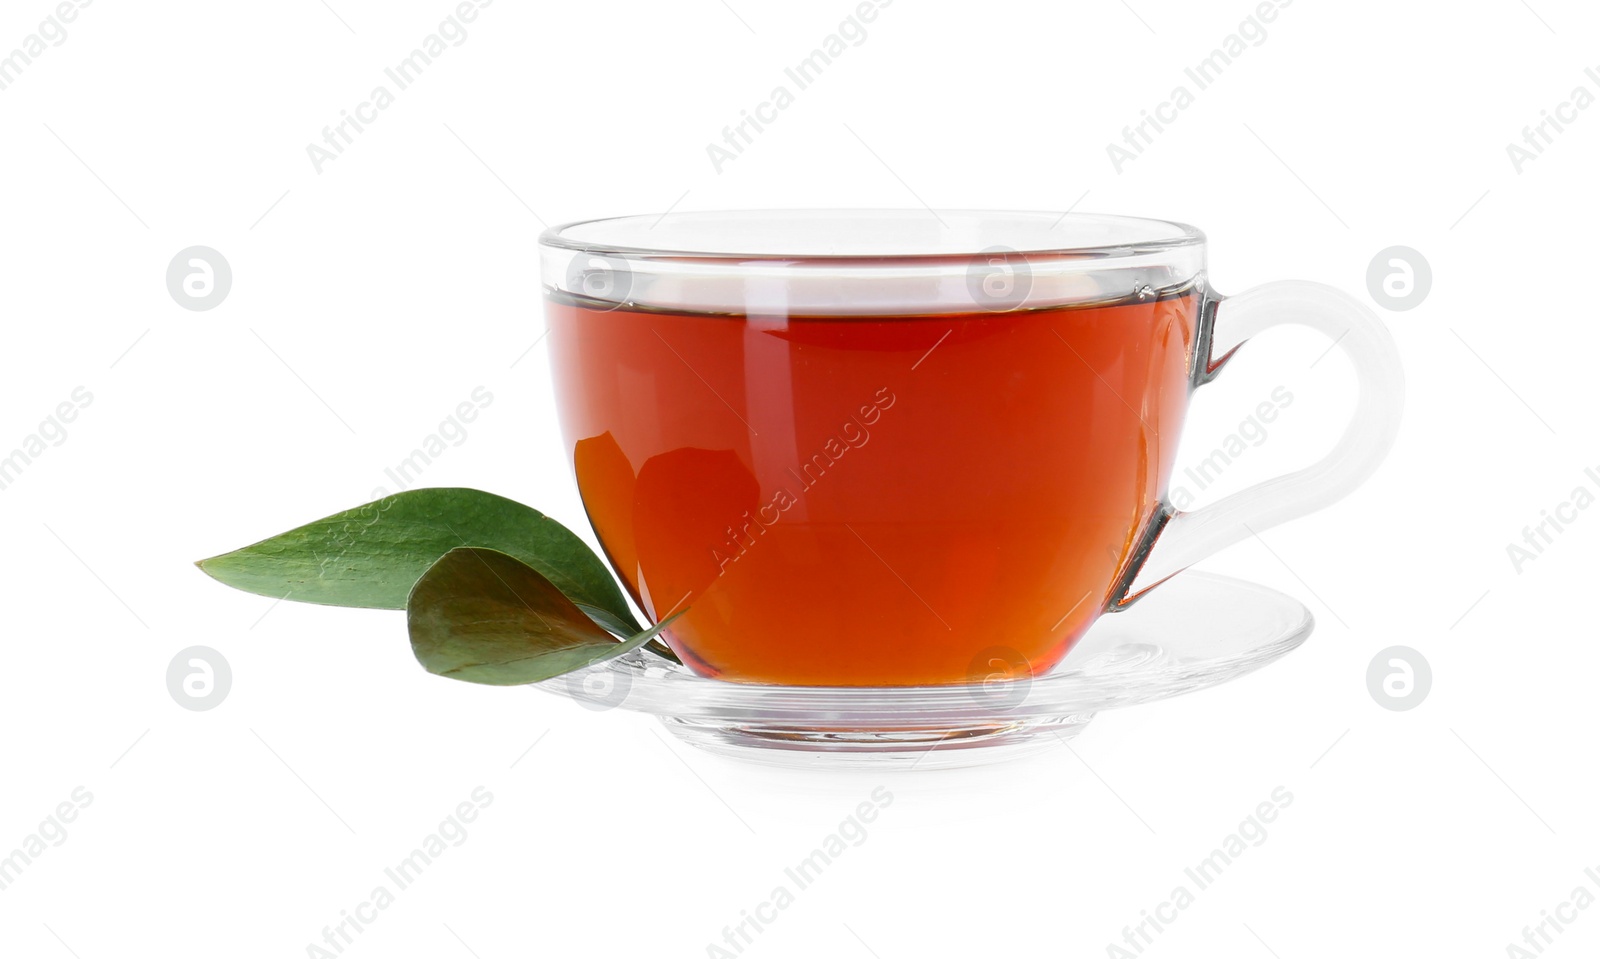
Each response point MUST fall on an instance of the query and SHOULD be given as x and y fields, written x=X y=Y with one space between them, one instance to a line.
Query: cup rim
x=1124 y=236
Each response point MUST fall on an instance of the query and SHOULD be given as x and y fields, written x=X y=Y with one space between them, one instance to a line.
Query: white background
x=370 y=299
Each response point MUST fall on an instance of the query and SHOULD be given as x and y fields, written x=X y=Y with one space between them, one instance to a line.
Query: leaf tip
x=210 y=563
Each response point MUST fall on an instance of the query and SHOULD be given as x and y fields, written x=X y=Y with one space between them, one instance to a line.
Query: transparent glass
x=881 y=448
x=866 y=262
x=1198 y=631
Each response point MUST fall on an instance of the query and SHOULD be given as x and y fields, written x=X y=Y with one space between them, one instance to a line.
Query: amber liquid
x=873 y=500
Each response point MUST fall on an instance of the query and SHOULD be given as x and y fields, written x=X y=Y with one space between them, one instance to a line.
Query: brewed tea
x=870 y=500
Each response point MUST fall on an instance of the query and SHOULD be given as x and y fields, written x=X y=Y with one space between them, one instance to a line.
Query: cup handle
x=1177 y=540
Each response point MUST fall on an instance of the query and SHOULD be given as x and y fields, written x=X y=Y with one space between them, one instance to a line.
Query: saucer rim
x=1071 y=688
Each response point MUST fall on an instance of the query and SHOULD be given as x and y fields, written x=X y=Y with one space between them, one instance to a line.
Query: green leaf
x=482 y=616
x=372 y=555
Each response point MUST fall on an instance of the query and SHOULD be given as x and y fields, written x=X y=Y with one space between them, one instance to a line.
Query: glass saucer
x=1195 y=631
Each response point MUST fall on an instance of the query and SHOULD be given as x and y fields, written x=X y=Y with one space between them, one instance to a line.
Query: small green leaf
x=372 y=555
x=482 y=616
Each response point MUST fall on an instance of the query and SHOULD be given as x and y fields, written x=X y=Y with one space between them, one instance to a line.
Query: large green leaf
x=372 y=555
x=485 y=617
